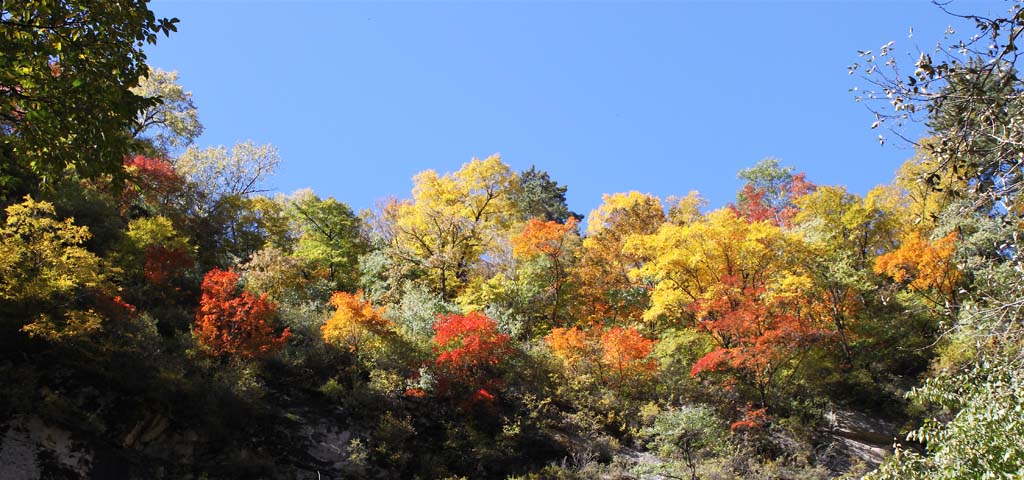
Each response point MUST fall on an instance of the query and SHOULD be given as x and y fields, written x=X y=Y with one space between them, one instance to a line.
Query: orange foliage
x=753 y=418
x=622 y=351
x=353 y=318
x=415 y=393
x=230 y=322
x=568 y=344
x=756 y=335
x=923 y=265
x=625 y=352
x=542 y=238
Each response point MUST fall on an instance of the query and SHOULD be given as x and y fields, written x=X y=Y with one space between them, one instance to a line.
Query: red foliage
x=468 y=347
x=151 y=179
x=758 y=204
x=233 y=323
x=482 y=395
x=113 y=307
x=162 y=263
x=470 y=341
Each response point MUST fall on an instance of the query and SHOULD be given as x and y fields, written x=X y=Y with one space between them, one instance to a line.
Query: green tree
x=173 y=122
x=330 y=237
x=541 y=197
x=67 y=68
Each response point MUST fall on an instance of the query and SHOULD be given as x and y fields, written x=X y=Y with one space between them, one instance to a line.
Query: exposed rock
x=32 y=449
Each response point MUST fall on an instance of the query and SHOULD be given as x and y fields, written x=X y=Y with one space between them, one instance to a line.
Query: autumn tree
x=686 y=262
x=626 y=354
x=606 y=291
x=619 y=355
x=354 y=319
x=153 y=187
x=769 y=192
x=843 y=232
x=572 y=345
x=758 y=336
x=925 y=267
x=233 y=322
x=469 y=347
x=163 y=252
x=452 y=220
x=739 y=281
x=45 y=272
x=555 y=244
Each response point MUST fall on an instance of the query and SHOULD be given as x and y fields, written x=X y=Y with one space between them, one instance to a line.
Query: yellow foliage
x=41 y=261
x=686 y=262
x=354 y=318
x=606 y=292
x=453 y=219
x=626 y=213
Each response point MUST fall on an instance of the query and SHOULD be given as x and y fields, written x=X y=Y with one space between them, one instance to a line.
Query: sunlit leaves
x=353 y=319
x=451 y=219
x=921 y=264
x=230 y=322
x=173 y=122
x=69 y=67
x=467 y=345
x=43 y=264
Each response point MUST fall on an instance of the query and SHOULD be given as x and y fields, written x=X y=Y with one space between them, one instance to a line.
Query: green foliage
x=172 y=123
x=540 y=197
x=985 y=437
x=329 y=237
x=73 y=65
x=685 y=437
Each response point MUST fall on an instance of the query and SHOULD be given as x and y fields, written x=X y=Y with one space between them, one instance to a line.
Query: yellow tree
x=686 y=262
x=452 y=220
x=926 y=186
x=606 y=291
x=354 y=318
x=842 y=234
x=738 y=281
x=925 y=267
x=44 y=269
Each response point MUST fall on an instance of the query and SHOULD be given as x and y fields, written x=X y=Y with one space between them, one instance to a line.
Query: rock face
x=30 y=449
x=34 y=449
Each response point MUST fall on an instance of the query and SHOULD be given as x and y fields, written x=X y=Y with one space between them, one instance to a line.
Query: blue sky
x=661 y=97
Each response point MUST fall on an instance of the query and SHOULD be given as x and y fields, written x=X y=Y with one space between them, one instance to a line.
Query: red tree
x=230 y=322
x=468 y=347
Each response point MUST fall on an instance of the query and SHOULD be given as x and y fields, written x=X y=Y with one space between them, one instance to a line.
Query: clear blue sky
x=607 y=96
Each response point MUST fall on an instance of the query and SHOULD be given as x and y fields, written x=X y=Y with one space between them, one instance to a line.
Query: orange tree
x=757 y=335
